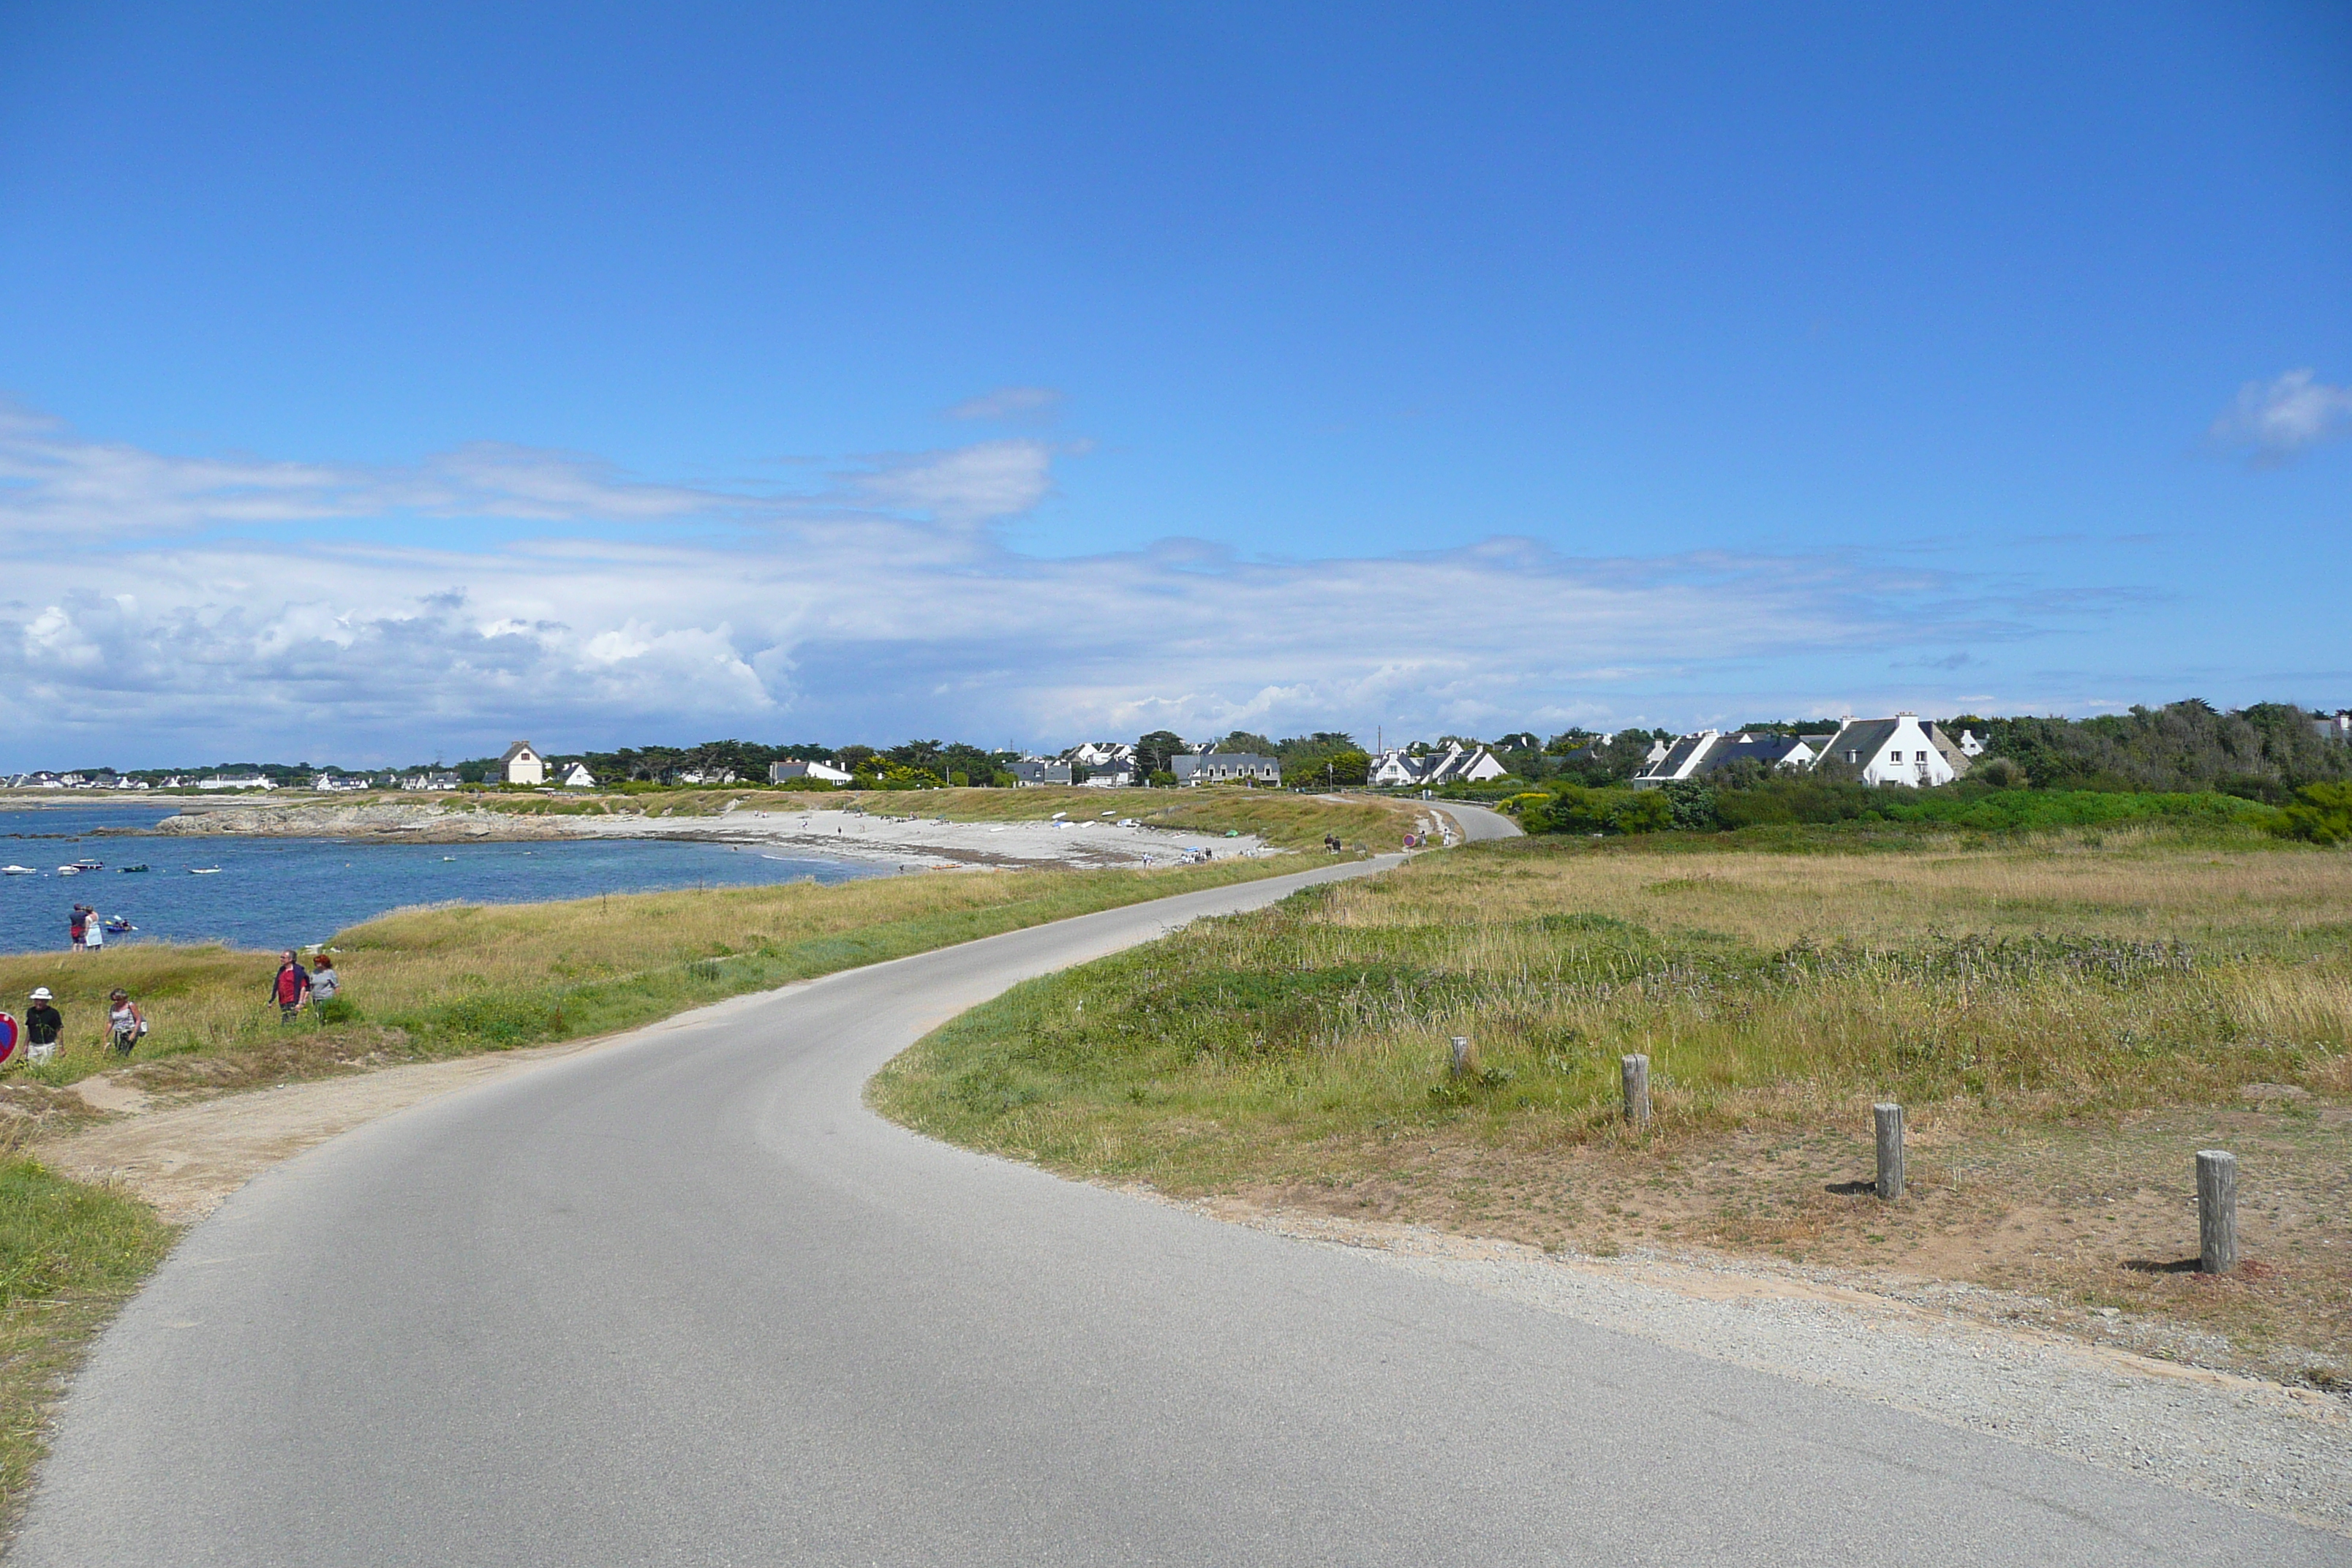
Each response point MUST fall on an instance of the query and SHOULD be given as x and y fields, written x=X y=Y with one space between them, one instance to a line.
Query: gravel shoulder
x=2283 y=1450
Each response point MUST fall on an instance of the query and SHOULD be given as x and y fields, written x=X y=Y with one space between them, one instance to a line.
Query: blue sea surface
x=273 y=893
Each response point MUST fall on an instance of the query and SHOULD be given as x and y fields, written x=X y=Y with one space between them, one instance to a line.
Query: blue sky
x=386 y=382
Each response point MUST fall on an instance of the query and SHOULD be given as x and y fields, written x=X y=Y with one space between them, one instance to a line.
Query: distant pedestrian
x=77 y=926
x=93 y=931
x=290 y=988
x=325 y=982
x=124 y=1021
x=43 y=1024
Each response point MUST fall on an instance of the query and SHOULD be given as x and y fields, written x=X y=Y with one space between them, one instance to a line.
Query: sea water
x=275 y=893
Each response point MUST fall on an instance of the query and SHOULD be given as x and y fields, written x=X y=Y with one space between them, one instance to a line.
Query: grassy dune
x=450 y=981
x=2105 y=1005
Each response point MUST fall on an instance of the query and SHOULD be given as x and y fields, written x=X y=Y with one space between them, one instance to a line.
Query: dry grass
x=2106 y=1007
x=463 y=978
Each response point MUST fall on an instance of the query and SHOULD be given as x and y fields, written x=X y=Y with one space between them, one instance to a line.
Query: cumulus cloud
x=1009 y=403
x=878 y=608
x=2278 y=419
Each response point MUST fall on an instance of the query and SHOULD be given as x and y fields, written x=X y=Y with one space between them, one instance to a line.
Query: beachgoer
x=43 y=1022
x=290 y=987
x=93 y=931
x=78 y=924
x=124 y=1021
x=325 y=982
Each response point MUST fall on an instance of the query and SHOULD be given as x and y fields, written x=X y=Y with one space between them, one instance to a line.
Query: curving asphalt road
x=1477 y=823
x=685 y=1301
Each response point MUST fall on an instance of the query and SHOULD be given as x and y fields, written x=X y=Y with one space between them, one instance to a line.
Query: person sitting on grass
x=291 y=988
x=124 y=1021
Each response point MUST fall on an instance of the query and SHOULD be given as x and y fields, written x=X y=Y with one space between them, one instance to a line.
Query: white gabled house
x=577 y=776
x=1455 y=764
x=1711 y=751
x=521 y=765
x=1897 y=750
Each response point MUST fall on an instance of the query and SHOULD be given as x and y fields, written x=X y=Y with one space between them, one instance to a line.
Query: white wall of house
x=523 y=765
x=1906 y=757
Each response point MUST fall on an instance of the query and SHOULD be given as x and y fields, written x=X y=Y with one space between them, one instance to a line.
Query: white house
x=237 y=781
x=1711 y=751
x=577 y=776
x=1111 y=754
x=1402 y=769
x=703 y=776
x=823 y=773
x=1032 y=772
x=521 y=765
x=1225 y=767
x=437 y=778
x=2337 y=726
x=1897 y=750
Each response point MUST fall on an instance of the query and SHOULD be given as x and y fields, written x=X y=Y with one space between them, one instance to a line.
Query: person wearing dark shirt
x=292 y=988
x=43 y=1022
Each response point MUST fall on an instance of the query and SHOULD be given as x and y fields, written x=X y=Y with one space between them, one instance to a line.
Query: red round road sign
x=8 y=1036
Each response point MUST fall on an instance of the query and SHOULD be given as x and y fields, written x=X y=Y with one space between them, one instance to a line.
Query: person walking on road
x=43 y=1024
x=291 y=988
x=124 y=1021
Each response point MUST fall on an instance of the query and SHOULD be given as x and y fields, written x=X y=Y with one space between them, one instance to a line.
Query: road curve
x=685 y=1301
x=1477 y=823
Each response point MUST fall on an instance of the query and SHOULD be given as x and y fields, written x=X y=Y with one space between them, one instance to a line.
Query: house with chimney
x=521 y=765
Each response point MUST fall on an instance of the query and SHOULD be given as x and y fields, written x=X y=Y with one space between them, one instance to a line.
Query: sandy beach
x=910 y=841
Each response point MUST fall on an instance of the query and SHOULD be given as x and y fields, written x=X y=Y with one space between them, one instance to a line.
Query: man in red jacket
x=292 y=988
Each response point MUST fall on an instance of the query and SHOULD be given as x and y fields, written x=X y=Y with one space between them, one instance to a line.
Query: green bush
x=1574 y=808
x=2322 y=813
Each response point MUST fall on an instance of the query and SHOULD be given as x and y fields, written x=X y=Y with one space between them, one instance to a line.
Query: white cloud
x=192 y=639
x=2283 y=417
x=1009 y=403
x=967 y=484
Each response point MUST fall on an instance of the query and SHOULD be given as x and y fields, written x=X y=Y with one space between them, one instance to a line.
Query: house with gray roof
x=1897 y=750
x=1225 y=767
x=1712 y=751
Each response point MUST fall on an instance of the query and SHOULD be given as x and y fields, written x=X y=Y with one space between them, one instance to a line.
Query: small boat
x=69 y=871
x=87 y=864
x=116 y=925
x=127 y=870
x=17 y=871
x=204 y=871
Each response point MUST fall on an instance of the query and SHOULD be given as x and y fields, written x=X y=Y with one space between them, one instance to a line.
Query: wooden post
x=1461 y=1055
x=1889 y=1120
x=2217 y=1210
x=1637 y=1090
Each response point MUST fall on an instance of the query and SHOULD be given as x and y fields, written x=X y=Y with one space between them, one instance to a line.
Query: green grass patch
x=69 y=1256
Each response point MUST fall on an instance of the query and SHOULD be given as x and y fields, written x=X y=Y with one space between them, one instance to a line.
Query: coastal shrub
x=2322 y=813
x=1574 y=808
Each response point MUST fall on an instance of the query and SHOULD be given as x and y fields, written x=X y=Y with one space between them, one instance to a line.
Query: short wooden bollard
x=1461 y=1055
x=2217 y=1210
x=1636 y=1071
x=1889 y=1120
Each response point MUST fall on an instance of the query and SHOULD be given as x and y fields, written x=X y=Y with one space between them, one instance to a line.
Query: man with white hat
x=43 y=1024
